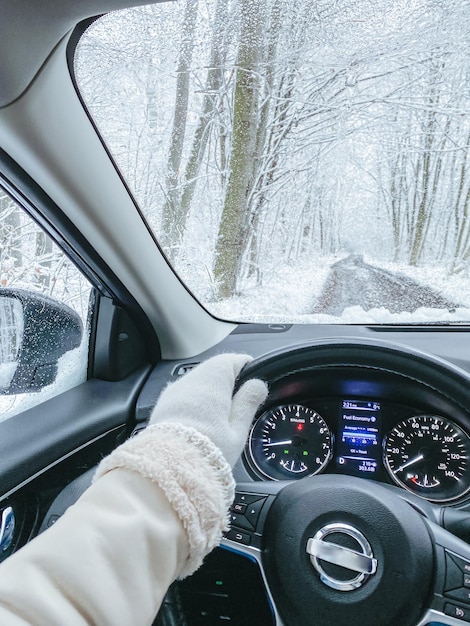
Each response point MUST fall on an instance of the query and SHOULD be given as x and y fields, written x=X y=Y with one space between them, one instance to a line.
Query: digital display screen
x=358 y=445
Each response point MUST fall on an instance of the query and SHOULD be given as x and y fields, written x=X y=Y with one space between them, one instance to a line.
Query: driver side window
x=44 y=305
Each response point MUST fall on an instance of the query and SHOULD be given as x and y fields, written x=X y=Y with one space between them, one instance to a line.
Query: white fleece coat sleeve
x=149 y=518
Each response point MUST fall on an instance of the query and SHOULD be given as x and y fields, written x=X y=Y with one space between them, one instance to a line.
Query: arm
x=108 y=560
x=157 y=507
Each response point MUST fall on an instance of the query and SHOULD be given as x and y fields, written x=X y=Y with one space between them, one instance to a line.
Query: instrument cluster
x=426 y=453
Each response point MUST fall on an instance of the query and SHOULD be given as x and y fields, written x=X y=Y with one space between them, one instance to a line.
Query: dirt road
x=352 y=282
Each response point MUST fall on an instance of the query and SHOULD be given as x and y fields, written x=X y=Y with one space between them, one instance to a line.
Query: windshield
x=298 y=161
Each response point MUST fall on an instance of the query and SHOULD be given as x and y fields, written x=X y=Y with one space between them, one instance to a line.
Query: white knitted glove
x=203 y=400
x=196 y=433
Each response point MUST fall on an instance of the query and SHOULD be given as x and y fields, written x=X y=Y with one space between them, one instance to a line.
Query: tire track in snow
x=352 y=282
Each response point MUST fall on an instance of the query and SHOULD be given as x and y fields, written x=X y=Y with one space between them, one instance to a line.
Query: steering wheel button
x=462 y=594
x=237 y=507
x=246 y=498
x=466 y=580
x=239 y=537
x=240 y=521
x=457 y=611
x=252 y=512
x=454 y=575
x=461 y=563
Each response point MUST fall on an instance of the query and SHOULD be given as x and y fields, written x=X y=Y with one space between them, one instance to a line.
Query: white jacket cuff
x=193 y=474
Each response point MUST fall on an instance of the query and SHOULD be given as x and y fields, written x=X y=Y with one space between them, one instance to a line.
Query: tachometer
x=289 y=442
x=430 y=456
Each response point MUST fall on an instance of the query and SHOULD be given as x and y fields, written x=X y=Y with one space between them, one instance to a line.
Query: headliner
x=30 y=30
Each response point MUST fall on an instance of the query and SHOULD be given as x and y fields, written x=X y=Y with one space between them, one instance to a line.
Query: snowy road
x=352 y=282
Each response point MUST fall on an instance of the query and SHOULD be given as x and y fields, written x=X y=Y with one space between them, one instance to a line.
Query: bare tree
x=234 y=224
x=172 y=217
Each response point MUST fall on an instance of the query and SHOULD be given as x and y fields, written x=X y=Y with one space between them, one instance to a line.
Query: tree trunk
x=233 y=233
x=172 y=219
x=214 y=83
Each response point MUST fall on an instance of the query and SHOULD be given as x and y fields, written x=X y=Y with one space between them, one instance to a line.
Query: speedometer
x=289 y=442
x=430 y=456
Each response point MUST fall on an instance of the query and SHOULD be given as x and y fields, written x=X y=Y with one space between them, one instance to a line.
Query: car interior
x=352 y=502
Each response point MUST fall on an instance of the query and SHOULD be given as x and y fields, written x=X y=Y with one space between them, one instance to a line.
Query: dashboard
x=410 y=446
x=352 y=406
x=362 y=409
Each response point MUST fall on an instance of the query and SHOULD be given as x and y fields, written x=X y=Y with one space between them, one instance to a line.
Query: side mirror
x=35 y=331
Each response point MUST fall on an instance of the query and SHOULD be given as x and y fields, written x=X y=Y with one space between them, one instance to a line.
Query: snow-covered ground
x=291 y=294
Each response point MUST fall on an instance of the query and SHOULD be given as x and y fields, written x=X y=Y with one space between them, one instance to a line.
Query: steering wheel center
x=341 y=550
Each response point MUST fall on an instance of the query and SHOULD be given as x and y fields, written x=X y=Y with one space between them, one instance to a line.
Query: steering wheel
x=348 y=551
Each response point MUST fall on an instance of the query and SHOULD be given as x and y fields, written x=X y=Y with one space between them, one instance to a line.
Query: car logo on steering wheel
x=336 y=562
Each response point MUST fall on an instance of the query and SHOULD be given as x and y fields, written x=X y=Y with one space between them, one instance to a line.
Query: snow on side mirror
x=35 y=331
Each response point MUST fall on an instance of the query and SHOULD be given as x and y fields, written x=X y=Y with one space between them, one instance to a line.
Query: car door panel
x=45 y=448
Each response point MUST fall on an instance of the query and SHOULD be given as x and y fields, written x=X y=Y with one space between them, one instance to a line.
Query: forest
x=259 y=136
